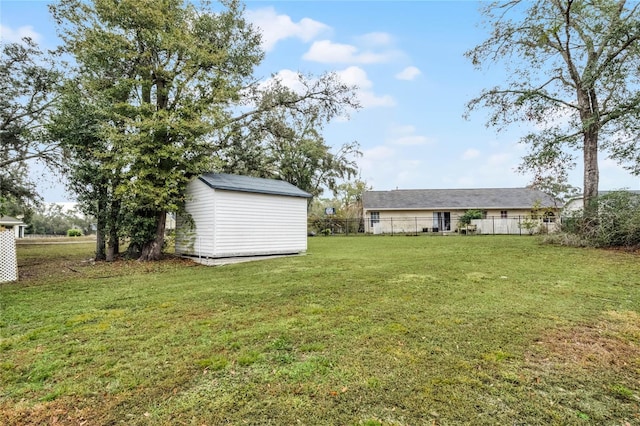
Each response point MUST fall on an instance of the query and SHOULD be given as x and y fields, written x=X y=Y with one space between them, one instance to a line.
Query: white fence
x=8 y=258
x=519 y=225
x=492 y=225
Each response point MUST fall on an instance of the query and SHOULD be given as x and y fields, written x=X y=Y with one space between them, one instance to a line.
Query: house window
x=375 y=218
x=549 y=217
x=484 y=214
x=503 y=214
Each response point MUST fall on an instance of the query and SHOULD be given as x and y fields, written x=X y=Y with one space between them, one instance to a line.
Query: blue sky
x=407 y=58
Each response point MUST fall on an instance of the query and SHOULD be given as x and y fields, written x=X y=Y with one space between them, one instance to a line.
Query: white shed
x=16 y=225
x=238 y=216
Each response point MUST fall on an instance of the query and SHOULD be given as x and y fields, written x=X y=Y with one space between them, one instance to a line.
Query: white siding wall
x=233 y=223
x=199 y=240
x=251 y=224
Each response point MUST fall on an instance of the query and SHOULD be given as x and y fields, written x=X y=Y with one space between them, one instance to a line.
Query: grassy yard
x=361 y=331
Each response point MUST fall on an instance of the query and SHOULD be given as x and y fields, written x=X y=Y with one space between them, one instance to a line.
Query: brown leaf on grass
x=610 y=343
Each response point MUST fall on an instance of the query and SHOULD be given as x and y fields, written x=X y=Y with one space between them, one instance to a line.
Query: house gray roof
x=252 y=184
x=456 y=199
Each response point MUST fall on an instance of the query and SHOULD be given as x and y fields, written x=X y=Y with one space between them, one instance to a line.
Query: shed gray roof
x=456 y=199
x=8 y=220
x=252 y=184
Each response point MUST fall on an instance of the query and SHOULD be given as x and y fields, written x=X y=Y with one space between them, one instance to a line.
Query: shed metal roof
x=252 y=184
x=8 y=220
x=456 y=199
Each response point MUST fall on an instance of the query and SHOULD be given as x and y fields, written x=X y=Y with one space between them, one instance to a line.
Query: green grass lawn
x=361 y=331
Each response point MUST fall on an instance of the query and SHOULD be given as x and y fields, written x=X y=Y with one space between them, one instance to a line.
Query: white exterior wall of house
x=404 y=221
x=235 y=223
x=410 y=221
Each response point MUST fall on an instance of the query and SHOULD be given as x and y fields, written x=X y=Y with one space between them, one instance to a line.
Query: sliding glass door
x=441 y=221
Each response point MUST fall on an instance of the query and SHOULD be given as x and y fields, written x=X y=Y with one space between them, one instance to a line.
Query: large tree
x=573 y=71
x=166 y=94
x=28 y=83
x=282 y=136
x=170 y=69
x=92 y=172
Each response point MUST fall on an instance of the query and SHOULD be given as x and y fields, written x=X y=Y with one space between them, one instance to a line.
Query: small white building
x=14 y=224
x=239 y=216
x=576 y=204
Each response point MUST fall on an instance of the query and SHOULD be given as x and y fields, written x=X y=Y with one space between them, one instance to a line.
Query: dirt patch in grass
x=40 y=265
x=611 y=343
x=106 y=409
x=590 y=371
x=50 y=413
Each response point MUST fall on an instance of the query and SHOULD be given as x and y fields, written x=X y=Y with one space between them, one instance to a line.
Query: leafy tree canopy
x=163 y=92
x=282 y=136
x=28 y=83
x=573 y=73
x=169 y=70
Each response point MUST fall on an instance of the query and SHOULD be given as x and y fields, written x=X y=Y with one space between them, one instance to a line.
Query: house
x=576 y=204
x=17 y=225
x=236 y=216
x=438 y=210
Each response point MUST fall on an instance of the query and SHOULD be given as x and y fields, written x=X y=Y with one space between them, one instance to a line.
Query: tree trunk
x=101 y=226
x=113 y=246
x=111 y=253
x=591 y=173
x=591 y=124
x=152 y=250
x=100 y=244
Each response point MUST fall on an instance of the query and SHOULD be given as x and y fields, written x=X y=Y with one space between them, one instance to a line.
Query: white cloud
x=9 y=35
x=378 y=153
x=352 y=76
x=406 y=136
x=279 y=27
x=375 y=39
x=358 y=77
x=370 y=100
x=411 y=140
x=499 y=159
x=470 y=154
x=288 y=78
x=409 y=73
x=355 y=76
x=326 y=51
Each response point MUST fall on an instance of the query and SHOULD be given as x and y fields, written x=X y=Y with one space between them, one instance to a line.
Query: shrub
x=529 y=225
x=74 y=233
x=469 y=215
x=617 y=223
x=565 y=239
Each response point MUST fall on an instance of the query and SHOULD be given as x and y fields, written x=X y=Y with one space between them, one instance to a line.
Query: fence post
x=493 y=225
x=392 y=226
